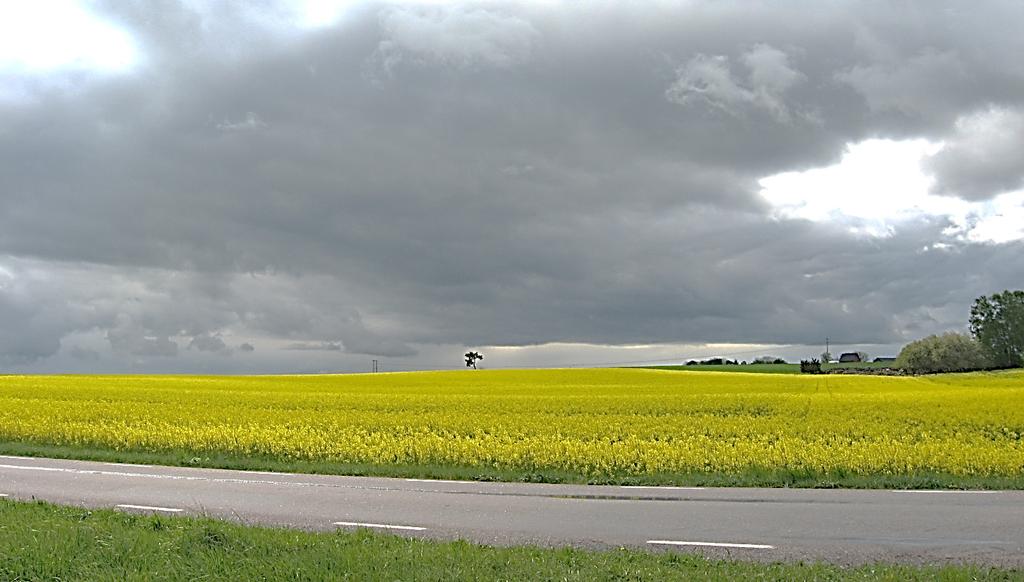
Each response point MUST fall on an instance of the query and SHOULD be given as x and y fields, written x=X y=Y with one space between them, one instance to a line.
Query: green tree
x=997 y=322
x=472 y=357
x=949 y=352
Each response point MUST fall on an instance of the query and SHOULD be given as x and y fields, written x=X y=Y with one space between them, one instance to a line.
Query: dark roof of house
x=849 y=357
x=885 y=359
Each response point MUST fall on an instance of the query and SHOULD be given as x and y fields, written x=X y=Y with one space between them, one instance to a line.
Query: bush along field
x=759 y=368
x=599 y=425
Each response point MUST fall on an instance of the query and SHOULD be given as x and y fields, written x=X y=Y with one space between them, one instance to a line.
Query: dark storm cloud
x=495 y=173
x=208 y=342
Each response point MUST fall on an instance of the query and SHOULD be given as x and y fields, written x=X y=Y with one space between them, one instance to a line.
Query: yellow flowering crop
x=592 y=422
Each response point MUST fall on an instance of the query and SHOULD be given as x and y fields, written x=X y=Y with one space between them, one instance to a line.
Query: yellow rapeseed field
x=590 y=422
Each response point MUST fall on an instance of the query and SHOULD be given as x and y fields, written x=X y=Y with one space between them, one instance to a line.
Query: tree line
x=996 y=340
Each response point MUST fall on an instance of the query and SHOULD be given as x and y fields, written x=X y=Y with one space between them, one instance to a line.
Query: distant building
x=886 y=360
x=849 y=357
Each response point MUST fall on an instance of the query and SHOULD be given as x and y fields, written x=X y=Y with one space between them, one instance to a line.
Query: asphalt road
x=839 y=526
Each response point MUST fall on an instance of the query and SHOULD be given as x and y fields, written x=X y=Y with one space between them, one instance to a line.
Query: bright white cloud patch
x=321 y=12
x=879 y=184
x=1003 y=223
x=43 y=35
x=876 y=181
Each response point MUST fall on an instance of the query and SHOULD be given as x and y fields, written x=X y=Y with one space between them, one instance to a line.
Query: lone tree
x=472 y=357
x=997 y=322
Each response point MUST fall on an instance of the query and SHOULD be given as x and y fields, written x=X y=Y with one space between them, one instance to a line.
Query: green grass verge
x=39 y=541
x=750 y=478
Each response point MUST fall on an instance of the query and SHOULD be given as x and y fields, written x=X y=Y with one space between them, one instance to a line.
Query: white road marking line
x=713 y=544
x=17 y=457
x=3 y=495
x=153 y=475
x=940 y=491
x=662 y=487
x=235 y=480
x=436 y=481
x=172 y=477
x=32 y=468
x=128 y=465
x=380 y=525
x=149 y=508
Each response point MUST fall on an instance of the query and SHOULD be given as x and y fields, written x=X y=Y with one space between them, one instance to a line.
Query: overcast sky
x=302 y=186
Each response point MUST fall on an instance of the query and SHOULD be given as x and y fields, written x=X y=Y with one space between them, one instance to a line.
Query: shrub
x=713 y=362
x=949 y=352
x=812 y=366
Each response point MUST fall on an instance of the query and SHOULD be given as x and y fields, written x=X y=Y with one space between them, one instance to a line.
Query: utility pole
x=826 y=346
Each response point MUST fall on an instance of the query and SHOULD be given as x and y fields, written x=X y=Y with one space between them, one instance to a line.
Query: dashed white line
x=661 y=487
x=380 y=525
x=437 y=481
x=712 y=544
x=940 y=491
x=128 y=465
x=3 y=495
x=149 y=508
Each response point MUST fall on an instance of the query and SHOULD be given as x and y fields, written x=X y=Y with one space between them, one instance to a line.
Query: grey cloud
x=172 y=33
x=453 y=36
x=358 y=344
x=81 y=353
x=130 y=337
x=375 y=346
x=770 y=69
x=520 y=177
x=37 y=311
x=208 y=342
x=250 y=122
x=710 y=80
x=315 y=346
x=983 y=156
x=906 y=85
x=246 y=348
x=27 y=333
